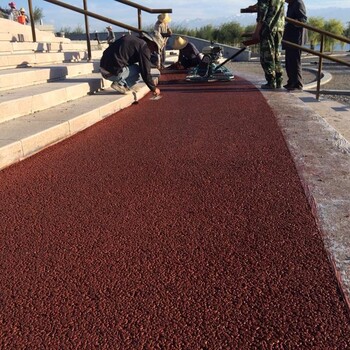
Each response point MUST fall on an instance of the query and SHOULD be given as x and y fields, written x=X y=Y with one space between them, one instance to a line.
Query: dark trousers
x=190 y=62
x=293 y=67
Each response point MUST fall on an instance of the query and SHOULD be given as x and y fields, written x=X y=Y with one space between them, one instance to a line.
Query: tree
x=314 y=37
x=249 y=29
x=68 y=30
x=4 y=13
x=38 y=15
x=229 y=33
x=78 y=30
x=347 y=31
x=333 y=26
x=179 y=29
x=206 y=32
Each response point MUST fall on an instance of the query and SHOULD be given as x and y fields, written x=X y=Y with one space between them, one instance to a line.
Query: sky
x=183 y=10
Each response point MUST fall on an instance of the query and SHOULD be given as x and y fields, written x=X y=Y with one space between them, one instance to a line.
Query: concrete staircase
x=49 y=91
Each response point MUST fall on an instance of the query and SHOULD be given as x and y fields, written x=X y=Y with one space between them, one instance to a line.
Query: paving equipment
x=210 y=69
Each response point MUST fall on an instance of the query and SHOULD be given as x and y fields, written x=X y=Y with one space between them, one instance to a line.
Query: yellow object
x=164 y=18
x=179 y=43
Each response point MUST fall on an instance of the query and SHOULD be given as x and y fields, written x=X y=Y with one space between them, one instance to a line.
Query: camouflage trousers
x=270 y=56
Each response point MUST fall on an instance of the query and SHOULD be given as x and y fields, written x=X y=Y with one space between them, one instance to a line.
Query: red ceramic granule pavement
x=175 y=224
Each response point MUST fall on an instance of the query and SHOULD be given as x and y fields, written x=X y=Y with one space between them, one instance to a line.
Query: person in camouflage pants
x=269 y=31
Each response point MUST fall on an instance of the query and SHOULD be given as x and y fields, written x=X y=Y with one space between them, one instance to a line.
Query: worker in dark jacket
x=295 y=34
x=128 y=57
x=189 y=56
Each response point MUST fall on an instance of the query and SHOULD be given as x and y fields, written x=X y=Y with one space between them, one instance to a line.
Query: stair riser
x=27 y=59
x=13 y=151
x=27 y=77
x=31 y=104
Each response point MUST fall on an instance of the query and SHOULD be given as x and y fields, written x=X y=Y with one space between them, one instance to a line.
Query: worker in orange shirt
x=22 y=17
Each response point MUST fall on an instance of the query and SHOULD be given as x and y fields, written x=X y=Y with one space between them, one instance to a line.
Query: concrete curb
x=326 y=77
x=322 y=158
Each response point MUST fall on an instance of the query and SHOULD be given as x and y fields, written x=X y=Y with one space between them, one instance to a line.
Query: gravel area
x=340 y=75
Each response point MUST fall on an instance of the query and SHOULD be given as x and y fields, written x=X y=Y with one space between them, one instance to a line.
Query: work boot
x=268 y=86
x=120 y=88
x=291 y=87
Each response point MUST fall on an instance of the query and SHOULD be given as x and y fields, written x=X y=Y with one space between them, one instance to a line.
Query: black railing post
x=320 y=62
x=139 y=18
x=88 y=44
x=31 y=15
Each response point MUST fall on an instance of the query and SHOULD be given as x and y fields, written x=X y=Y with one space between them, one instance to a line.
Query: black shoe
x=293 y=87
x=268 y=86
x=297 y=88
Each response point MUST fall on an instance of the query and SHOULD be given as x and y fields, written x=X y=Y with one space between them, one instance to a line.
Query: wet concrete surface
x=175 y=224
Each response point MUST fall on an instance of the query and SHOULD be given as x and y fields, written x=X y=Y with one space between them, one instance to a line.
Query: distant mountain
x=342 y=14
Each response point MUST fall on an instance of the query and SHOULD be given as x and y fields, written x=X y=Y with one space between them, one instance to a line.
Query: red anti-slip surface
x=175 y=224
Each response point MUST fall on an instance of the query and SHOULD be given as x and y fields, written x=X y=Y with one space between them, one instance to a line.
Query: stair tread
x=31 y=69
x=104 y=103
x=39 y=89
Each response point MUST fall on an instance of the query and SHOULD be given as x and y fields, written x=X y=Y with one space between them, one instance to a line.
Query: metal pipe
x=230 y=58
x=31 y=15
x=139 y=19
x=93 y=15
x=304 y=25
x=328 y=57
x=143 y=8
x=320 y=62
x=87 y=31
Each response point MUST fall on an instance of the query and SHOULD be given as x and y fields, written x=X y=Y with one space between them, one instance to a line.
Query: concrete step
x=28 y=76
x=49 y=91
x=27 y=59
x=12 y=31
x=47 y=96
x=27 y=135
x=40 y=58
x=30 y=99
x=29 y=47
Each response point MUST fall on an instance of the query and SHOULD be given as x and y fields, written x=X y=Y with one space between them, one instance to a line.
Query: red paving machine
x=210 y=69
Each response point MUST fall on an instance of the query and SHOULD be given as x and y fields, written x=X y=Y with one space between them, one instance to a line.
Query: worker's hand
x=156 y=92
x=256 y=37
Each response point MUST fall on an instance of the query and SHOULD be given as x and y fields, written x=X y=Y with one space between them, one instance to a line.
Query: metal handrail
x=334 y=59
x=87 y=14
x=143 y=8
x=321 y=31
x=321 y=55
